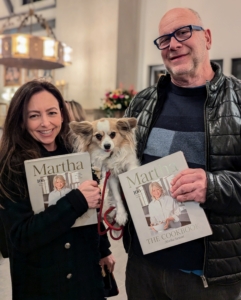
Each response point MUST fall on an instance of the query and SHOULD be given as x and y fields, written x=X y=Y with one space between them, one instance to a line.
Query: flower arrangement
x=117 y=100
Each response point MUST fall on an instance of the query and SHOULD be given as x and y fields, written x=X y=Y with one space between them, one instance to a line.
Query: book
x=51 y=178
x=147 y=193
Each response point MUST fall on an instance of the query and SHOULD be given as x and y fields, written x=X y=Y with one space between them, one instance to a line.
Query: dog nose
x=107 y=146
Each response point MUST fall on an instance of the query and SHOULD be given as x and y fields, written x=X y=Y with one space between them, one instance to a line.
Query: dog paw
x=121 y=217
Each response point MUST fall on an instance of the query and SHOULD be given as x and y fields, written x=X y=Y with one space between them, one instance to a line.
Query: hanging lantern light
x=34 y=52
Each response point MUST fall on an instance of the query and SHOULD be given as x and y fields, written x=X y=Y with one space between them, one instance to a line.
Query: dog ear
x=126 y=124
x=84 y=128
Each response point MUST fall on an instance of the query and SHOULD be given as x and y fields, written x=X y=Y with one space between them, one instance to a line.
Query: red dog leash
x=110 y=225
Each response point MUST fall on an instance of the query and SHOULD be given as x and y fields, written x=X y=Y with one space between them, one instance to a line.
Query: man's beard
x=189 y=69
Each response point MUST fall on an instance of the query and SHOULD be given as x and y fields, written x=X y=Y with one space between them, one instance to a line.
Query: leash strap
x=110 y=226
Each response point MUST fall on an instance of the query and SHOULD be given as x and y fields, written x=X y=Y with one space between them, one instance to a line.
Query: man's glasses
x=181 y=34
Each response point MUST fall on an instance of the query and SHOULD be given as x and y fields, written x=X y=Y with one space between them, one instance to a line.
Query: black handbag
x=110 y=285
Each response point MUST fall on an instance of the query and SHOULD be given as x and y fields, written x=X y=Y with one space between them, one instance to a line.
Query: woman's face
x=44 y=119
x=59 y=184
x=156 y=192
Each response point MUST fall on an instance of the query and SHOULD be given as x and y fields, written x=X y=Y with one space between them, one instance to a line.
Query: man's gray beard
x=179 y=72
x=190 y=72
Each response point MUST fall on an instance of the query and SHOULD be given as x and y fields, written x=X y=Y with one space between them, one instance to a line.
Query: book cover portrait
x=158 y=206
x=54 y=187
x=51 y=178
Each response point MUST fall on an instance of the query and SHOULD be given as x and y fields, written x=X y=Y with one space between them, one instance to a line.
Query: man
x=196 y=109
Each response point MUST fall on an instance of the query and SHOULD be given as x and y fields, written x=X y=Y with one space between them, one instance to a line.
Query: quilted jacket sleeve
x=224 y=192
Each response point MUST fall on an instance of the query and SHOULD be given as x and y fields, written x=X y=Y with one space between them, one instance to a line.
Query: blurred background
x=108 y=43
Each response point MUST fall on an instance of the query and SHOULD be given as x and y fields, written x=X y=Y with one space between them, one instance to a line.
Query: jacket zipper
x=205 y=126
x=204 y=280
x=205 y=284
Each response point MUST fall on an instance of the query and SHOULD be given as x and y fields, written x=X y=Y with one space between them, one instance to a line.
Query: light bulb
x=49 y=48
x=21 y=44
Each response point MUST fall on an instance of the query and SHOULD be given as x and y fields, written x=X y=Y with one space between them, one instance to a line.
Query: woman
x=60 y=189
x=162 y=209
x=76 y=111
x=48 y=258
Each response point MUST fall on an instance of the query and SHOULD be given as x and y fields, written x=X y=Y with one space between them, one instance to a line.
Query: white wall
x=128 y=42
x=149 y=55
x=90 y=28
x=222 y=17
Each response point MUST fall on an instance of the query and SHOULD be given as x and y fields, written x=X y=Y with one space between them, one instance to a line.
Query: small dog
x=111 y=144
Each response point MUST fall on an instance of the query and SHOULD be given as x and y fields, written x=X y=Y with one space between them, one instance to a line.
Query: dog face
x=106 y=134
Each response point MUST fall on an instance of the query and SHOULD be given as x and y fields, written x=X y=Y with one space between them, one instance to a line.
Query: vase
x=119 y=113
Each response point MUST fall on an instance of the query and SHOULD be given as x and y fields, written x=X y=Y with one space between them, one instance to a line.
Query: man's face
x=188 y=57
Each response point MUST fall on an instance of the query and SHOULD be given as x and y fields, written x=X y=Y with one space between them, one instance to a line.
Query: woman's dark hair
x=17 y=144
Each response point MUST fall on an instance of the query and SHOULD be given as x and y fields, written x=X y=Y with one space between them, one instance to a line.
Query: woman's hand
x=151 y=225
x=109 y=261
x=168 y=220
x=91 y=192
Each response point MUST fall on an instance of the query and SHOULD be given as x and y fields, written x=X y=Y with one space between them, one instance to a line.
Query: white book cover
x=51 y=178
x=147 y=193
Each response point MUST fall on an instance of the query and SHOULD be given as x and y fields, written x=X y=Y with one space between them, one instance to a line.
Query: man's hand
x=109 y=261
x=190 y=184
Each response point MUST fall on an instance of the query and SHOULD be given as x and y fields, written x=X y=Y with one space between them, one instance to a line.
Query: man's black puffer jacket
x=222 y=119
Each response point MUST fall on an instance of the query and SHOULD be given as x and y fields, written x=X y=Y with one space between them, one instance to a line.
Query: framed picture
x=155 y=73
x=12 y=76
x=47 y=75
x=218 y=61
x=236 y=67
x=24 y=2
x=21 y=6
x=30 y=74
x=36 y=74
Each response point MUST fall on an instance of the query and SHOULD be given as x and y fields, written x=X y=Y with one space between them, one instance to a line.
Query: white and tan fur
x=111 y=144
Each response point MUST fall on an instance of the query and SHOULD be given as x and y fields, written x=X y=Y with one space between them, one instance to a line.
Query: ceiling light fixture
x=33 y=52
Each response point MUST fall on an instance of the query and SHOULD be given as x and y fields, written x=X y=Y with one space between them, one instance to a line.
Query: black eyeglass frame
x=170 y=35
